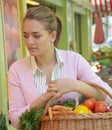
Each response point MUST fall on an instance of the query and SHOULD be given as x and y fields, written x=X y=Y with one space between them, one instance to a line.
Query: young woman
x=48 y=72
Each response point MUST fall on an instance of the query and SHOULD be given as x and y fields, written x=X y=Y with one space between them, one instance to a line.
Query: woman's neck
x=47 y=59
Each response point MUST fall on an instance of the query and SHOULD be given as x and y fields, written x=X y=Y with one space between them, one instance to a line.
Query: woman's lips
x=32 y=49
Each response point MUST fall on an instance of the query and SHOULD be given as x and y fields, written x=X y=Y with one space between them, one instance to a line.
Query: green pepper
x=70 y=103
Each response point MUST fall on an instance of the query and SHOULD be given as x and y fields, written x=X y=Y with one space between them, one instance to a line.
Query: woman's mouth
x=32 y=49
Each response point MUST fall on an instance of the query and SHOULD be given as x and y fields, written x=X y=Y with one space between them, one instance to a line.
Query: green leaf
x=30 y=120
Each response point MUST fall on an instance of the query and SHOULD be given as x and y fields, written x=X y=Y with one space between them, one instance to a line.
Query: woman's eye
x=25 y=36
x=37 y=36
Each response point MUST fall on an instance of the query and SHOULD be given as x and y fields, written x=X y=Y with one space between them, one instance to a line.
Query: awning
x=102 y=7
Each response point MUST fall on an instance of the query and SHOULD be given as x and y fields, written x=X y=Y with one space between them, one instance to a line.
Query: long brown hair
x=46 y=16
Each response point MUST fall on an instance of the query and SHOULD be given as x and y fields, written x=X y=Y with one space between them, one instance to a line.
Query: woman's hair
x=48 y=18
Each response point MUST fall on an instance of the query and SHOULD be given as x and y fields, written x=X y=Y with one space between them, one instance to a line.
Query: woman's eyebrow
x=32 y=33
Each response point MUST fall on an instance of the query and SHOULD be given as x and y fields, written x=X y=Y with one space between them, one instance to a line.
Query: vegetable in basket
x=70 y=103
x=100 y=106
x=30 y=120
x=90 y=103
x=81 y=109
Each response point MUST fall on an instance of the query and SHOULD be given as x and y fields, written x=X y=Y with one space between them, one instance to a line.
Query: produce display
x=104 y=51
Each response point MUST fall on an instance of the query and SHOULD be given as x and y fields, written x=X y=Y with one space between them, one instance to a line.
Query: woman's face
x=37 y=39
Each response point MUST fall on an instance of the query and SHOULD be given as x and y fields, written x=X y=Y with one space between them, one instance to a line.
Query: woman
x=48 y=72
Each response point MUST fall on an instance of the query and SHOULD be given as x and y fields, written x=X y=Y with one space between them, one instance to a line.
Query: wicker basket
x=94 y=121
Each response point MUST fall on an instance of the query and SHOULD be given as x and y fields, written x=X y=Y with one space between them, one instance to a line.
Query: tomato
x=90 y=103
x=100 y=106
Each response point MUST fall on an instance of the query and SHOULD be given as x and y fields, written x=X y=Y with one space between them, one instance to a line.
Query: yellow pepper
x=81 y=109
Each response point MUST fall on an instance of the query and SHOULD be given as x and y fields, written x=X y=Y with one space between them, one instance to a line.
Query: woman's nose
x=30 y=40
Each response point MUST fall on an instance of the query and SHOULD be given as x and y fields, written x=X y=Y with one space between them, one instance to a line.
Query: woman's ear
x=53 y=36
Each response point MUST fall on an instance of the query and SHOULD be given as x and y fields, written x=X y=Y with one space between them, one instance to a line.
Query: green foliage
x=3 y=122
x=30 y=120
x=106 y=62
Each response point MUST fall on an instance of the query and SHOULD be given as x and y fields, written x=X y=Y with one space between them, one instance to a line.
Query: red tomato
x=90 y=103
x=100 y=106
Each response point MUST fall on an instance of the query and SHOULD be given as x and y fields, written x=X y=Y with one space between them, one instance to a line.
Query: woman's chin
x=33 y=53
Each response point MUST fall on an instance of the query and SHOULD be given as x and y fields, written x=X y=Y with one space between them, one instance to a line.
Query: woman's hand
x=48 y=95
x=60 y=86
x=42 y=100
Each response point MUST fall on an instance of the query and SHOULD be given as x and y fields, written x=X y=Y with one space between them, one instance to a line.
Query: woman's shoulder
x=69 y=53
x=72 y=56
x=24 y=62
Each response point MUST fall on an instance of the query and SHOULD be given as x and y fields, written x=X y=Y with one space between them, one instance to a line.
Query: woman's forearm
x=66 y=85
x=42 y=100
x=88 y=91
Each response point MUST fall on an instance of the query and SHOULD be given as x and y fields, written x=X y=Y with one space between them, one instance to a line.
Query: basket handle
x=89 y=83
x=47 y=106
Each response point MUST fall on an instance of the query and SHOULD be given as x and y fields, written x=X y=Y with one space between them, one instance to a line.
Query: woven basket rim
x=74 y=116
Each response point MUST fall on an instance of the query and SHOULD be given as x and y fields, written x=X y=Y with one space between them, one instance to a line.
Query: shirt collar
x=33 y=64
x=35 y=67
x=59 y=57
